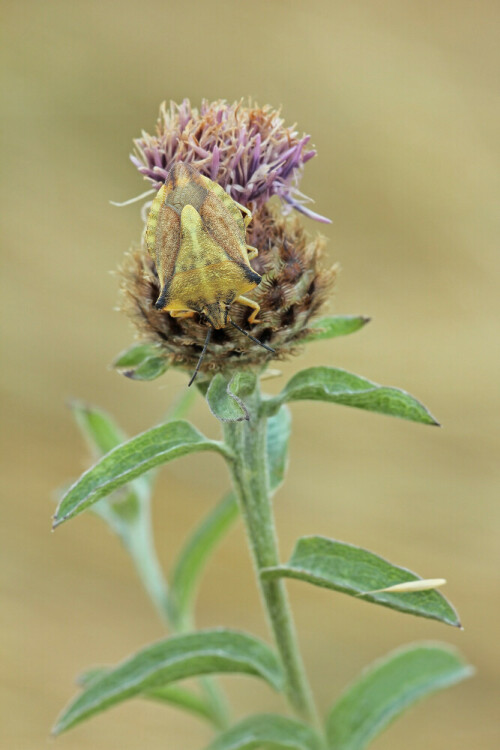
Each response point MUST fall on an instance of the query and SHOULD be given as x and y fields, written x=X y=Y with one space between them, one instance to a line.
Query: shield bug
x=196 y=236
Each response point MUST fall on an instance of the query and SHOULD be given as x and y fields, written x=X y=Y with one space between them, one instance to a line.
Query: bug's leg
x=252 y=252
x=182 y=313
x=250 y=303
x=248 y=214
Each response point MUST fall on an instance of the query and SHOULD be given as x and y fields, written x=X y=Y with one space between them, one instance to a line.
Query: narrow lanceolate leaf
x=181 y=697
x=277 y=439
x=335 y=325
x=174 y=695
x=141 y=362
x=171 y=660
x=358 y=572
x=102 y=434
x=131 y=459
x=127 y=509
x=124 y=509
x=388 y=688
x=224 y=400
x=267 y=731
x=100 y=431
x=194 y=556
x=341 y=387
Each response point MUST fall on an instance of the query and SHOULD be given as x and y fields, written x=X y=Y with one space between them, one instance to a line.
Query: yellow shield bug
x=196 y=236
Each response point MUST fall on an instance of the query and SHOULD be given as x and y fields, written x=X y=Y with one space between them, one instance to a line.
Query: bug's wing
x=216 y=262
x=163 y=236
x=228 y=234
x=226 y=201
x=152 y=221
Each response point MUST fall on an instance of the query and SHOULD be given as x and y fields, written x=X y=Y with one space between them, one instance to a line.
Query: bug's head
x=216 y=313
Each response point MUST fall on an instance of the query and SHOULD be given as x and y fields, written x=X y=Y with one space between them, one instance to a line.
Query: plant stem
x=247 y=440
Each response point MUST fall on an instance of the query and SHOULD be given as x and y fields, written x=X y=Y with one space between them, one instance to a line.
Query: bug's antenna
x=264 y=346
x=207 y=341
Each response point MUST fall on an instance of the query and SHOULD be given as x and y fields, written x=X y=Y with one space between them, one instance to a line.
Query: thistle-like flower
x=242 y=149
x=247 y=150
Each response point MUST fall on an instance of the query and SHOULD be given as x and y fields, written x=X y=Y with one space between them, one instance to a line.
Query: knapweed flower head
x=247 y=150
x=253 y=156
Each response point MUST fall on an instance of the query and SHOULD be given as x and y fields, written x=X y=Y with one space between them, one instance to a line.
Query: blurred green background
x=402 y=102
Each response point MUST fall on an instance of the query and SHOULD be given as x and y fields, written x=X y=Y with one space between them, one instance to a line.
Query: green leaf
x=171 y=660
x=100 y=431
x=124 y=507
x=131 y=459
x=335 y=325
x=270 y=731
x=341 y=387
x=194 y=555
x=389 y=687
x=126 y=510
x=135 y=355
x=141 y=362
x=355 y=571
x=174 y=695
x=86 y=678
x=223 y=397
x=278 y=437
x=243 y=383
x=150 y=369
x=181 y=697
x=102 y=434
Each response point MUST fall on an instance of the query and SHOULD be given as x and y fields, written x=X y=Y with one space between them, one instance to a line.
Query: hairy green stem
x=247 y=441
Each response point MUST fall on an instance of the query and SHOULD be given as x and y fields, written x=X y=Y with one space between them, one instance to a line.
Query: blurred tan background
x=401 y=99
